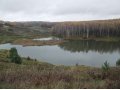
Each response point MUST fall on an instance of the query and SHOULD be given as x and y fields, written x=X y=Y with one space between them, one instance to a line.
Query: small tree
x=77 y=64
x=28 y=58
x=106 y=67
x=105 y=70
x=118 y=62
x=13 y=52
x=35 y=59
x=15 y=58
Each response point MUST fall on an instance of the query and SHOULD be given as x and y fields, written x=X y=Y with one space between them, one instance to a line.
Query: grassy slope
x=34 y=74
x=42 y=75
x=12 y=38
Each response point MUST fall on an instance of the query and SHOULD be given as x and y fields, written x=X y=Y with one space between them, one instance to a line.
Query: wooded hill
x=87 y=29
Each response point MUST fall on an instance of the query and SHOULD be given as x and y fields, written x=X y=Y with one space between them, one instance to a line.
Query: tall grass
x=33 y=74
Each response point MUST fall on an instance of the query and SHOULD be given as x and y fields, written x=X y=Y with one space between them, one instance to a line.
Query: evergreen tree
x=28 y=58
x=14 y=57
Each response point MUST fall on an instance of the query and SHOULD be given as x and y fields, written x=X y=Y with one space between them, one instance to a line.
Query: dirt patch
x=30 y=42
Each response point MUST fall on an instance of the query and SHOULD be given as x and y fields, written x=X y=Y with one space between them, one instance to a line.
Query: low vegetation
x=18 y=32
x=30 y=42
x=106 y=67
x=33 y=74
x=16 y=38
x=118 y=62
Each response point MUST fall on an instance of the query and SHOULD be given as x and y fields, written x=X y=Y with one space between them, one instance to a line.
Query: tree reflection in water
x=90 y=45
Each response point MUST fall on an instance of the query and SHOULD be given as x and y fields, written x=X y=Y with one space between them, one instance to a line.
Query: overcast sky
x=58 y=10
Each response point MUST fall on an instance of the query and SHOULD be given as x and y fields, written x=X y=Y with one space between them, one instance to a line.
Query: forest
x=88 y=29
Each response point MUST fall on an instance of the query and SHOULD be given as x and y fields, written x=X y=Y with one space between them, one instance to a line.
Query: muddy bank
x=106 y=39
x=30 y=42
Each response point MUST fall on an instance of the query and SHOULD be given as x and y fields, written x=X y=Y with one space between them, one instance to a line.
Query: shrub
x=28 y=58
x=106 y=66
x=105 y=70
x=14 y=57
x=77 y=64
x=35 y=59
x=118 y=62
x=17 y=59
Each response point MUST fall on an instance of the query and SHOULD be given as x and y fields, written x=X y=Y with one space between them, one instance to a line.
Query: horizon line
x=59 y=21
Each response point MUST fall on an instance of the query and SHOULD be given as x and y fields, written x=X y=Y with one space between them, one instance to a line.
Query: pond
x=89 y=53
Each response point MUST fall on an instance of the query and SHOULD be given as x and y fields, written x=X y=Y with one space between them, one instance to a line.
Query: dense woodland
x=86 y=29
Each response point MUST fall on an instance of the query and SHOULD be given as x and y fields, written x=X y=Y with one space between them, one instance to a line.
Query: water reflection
x=86 y=46
x=89 y=53
x=46 y=39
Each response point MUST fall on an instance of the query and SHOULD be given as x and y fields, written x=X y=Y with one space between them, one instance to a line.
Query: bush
x=28 y=58
x=106 y=66
x=14 y=57
x=118 y=62
x=35 y=59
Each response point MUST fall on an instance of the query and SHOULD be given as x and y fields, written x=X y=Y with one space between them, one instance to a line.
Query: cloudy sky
x=58 y=10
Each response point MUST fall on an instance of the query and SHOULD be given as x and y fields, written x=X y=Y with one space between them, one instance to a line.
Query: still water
x=90 y=53
x=46 y=39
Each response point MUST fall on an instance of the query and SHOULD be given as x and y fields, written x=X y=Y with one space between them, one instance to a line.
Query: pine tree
x=14 y=57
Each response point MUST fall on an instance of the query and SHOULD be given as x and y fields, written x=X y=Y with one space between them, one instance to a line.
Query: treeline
x=86 y=29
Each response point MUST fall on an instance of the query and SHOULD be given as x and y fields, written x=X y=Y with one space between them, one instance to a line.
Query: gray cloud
x=58 y=10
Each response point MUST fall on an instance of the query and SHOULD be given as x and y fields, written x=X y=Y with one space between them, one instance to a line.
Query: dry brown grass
x=33 y=74
x=38 y=76
x=30 y=42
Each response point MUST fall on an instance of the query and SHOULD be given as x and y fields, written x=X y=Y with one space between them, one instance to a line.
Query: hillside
x=81 y=29
x=25 y=28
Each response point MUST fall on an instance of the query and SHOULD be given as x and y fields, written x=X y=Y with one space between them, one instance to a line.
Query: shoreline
x=28 y=41
x=105 y=39
x=45 y=75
